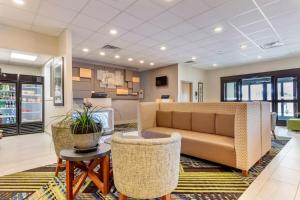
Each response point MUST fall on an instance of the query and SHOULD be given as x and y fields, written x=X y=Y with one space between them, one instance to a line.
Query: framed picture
x=58 y=81
x=200 y=92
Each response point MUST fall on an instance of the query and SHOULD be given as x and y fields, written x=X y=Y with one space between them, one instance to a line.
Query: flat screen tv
x=161 y=81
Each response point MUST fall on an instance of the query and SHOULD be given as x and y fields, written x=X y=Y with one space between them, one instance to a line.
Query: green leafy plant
x=83 y=121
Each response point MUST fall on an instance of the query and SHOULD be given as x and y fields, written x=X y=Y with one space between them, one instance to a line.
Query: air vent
x=271 y=45
x=110 y=47
x=190 y=62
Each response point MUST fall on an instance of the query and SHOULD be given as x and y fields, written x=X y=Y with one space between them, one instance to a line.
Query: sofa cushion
x=207 y=146
x=225 y=124
x=164 y=118
x=204 y=122
x=182 y=120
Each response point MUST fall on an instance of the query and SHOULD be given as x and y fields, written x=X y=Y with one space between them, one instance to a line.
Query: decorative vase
x=87 y=140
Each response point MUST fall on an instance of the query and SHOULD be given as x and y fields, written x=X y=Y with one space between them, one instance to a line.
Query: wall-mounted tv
x=161 y=81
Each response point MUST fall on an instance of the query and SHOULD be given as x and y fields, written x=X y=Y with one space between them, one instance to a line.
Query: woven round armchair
x=145 y=168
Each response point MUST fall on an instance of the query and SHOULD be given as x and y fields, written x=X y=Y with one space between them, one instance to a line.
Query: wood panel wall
x=84 y=87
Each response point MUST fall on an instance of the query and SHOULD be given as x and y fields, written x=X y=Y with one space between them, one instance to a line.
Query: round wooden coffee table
x=76 y=160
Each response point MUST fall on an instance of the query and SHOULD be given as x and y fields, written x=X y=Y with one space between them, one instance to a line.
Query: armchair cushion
x=164 y=119
x=182 y=120
x=203 y=122
x=225 y=124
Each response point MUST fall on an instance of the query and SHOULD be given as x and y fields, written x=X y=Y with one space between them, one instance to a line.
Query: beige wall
x=151 y=92
x=28 y=41
x=193 y=75
x=51 y=111
x=213 y=76
x=17 y=69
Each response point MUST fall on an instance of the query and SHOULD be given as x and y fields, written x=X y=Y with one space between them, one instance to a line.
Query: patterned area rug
x=199 y=179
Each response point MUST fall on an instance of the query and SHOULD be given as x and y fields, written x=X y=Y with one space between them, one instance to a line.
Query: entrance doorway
x=186 y=91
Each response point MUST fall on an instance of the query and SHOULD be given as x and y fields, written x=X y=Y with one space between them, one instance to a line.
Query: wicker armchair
x=145 y=168
x=62 y=139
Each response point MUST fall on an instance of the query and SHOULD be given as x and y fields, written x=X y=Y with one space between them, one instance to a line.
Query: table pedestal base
x=100 y=178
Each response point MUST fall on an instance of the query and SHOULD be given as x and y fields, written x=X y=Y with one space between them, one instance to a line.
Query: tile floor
x=281 y=178
x=279 y=181
x=19 y=153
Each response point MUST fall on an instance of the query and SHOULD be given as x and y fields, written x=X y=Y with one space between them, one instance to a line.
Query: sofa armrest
x=266 y=138
x=247 y=138
x=147 y=115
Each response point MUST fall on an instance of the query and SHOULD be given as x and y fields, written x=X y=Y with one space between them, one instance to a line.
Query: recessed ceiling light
x=152 y=63
x=218 y=29
x=243 y=46
x=194 y=58
x=21 y=56
x=19 y=2
x=102 y=53
x=142 y=62
x=130 y=59
x=113 y=32
x=117 y=56
x=259 y=57
x=163 y=48
x=215 y=65
x=85 y=50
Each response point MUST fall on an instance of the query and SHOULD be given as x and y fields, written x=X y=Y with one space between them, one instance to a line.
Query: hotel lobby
x=149 y=99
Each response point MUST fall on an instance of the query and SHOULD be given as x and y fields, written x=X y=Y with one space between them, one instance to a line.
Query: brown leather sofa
x=227 y=133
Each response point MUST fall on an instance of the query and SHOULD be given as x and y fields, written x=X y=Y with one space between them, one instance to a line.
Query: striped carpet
x=199 y=179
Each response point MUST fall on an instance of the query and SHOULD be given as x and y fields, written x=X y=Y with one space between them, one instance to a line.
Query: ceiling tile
x=16 y=14
x=100 y=11
x=4 y=22
x=196 y=35
x=147 y=29
x=100 y=38
x=131 y=37
x=182 y=28
x=119 y=4
x=56 y=12
x=79 y=34
x=120 y=43
x=31 y=5
x=166 y=3
x=175 y=42
x=144 y=9
x=126 y=21
x=206 y=19
x=76 y=5
x=189 y=8
x=148 y=42
x=247 y=18
x=104 y=30
x=87 y=22
x=166 y=20
x=163 y=36
x=214 y=3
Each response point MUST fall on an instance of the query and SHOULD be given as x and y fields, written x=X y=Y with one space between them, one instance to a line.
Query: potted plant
x=85 y=130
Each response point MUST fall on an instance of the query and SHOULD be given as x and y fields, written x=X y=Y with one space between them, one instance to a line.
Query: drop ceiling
x=185 y=27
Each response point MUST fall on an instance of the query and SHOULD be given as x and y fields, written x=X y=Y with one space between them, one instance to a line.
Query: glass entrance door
x=256 y=89
x=286 y=100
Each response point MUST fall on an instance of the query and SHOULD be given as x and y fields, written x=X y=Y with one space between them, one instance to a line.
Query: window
x=230 y=91
x=280 y=88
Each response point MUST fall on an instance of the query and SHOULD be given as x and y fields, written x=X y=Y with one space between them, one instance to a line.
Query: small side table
x=75 y=160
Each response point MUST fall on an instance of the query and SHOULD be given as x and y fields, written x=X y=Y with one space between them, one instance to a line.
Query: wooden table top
x=71 y=155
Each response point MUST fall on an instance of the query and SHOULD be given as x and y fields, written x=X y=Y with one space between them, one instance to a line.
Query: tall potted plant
x=85 y=130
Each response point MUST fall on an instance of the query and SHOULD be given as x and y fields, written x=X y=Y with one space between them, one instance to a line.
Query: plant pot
x=87 y=140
